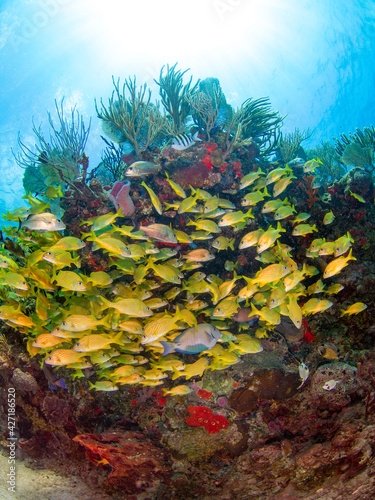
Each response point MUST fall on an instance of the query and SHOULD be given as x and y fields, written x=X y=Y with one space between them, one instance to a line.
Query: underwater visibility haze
x=187 y=249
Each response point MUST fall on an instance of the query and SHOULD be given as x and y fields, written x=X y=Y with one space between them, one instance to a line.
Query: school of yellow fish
x=118 y=323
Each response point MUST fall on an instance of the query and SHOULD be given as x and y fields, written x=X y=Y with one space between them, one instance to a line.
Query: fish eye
x=77 y=344
x=80 y=283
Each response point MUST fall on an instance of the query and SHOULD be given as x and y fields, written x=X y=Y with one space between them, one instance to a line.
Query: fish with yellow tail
x=250 y=178
x=303 y=229
x=103 y=385
x=154 y=199
x=176 y=187
x=271 y=273
x=235 y=218
x=337 y=265
x=192 y=370
x=328 y=218
x=343 y=244
x=354 y=309
x=179 y=390
x=133 y=307
x=268 y=238
x=80 y=323
x=159 y=327
x=62 y=357
x=94 y=342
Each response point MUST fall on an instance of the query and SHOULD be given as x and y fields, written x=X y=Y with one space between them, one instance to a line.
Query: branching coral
x=254 y=121
x=331 y=168
x=62 y=156
x=290 y=144
x=205 y=109
x=135 y=116
x=174 y=96
x=357 y=149
x=112 y=166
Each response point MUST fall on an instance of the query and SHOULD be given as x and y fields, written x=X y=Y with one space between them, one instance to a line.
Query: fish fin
x=168 y=347
x=231 y=243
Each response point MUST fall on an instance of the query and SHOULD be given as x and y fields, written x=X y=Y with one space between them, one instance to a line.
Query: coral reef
x=135 y=116
x=175 y=96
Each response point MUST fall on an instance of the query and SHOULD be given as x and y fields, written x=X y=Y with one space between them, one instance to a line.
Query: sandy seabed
x=42 y=484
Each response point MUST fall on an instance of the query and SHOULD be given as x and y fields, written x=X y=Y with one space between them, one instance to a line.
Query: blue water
x=314 y=59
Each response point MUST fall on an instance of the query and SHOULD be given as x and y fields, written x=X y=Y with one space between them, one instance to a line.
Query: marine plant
x=205 y=109
x=131 y=112
x=175 y=96
x=61 y=157
x=290 y=144
x=331 y=169
x=112 y=167
x=254 y=121
x=357 y=149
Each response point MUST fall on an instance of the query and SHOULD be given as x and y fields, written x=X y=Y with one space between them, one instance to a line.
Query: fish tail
x=231 y=243
x=117 y=339
x=91 y=385
x=350 y=256
x=168 y=347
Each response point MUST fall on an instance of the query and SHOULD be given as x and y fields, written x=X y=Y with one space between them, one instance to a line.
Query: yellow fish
x=103 y=385
x=358 y=197
x=69 y=243
x=302 y=217
x=61 y=357
x=284 y=212
x=328 y=248
x=159 y=327
x=314 y=306
x=276 y=174
x=328 y=218
x=250 y=346
x=253 y=198
x=271 y=273
x=14 y=280
x=226 y=308
x=154 y=199
x=250 y=178
x=102 y=221
x=95 y=342
x=311 y=165
x=132 y=307
x=343 y=244
x=337 y=265
x=192 y=370
x=281 y=185
x=205 y=225
x=250 y=239
x=273 y=205
x=110 y=245
x=295 y=312
x=69 y=280
x=303 y=229
x=45 y=340
x=80 y=323
x=232 y=218
x=176 y=187
x=353 y=309
x=179 y=390
x=267 y=239
x=61 y=258
x=336 y=288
